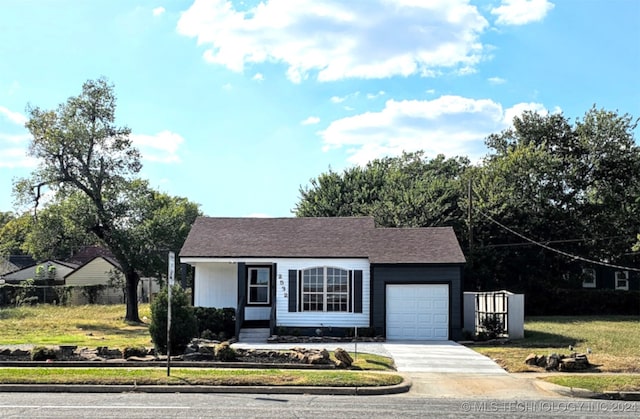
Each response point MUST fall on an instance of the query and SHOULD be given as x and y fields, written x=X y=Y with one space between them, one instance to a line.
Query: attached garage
x=417 y=311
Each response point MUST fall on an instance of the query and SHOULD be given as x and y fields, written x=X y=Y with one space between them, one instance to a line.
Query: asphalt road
x=174 y=405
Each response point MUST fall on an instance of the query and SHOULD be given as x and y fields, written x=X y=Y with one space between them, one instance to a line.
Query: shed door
x=417 y=312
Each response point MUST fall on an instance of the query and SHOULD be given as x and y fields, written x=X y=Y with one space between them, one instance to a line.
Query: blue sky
x=236 y=104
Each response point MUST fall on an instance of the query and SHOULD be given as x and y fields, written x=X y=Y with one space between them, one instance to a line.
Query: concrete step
x=254 y=334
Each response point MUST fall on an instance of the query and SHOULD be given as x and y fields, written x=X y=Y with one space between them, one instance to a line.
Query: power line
x=544 y=246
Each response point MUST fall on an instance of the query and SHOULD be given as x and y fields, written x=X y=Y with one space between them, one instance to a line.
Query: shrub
x=183 y=321
x=218 y=321
x=224 y=352
x=42 y=353
x=492 y=326
x=92 y=292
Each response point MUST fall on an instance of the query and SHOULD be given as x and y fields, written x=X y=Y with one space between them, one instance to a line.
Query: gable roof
x=88 y=253
x=324 y=237
x=81 y=268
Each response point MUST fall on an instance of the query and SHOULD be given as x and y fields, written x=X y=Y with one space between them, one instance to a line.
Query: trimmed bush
x=219 y=322
x=184 y=325
x=224 y=352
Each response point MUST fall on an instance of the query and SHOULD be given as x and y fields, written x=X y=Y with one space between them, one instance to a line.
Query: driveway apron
x=441 y=357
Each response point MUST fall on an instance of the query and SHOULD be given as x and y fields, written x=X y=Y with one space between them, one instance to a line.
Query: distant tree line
x=571 y=187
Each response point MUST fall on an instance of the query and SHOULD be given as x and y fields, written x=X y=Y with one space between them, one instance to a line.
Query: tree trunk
x=132 y=279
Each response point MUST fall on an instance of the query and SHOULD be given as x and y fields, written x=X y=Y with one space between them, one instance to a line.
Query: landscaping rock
x=532 y=359
x=542 y=361
x=105 y=352
x=575 y=363
x=344 y=360
x=553 y=362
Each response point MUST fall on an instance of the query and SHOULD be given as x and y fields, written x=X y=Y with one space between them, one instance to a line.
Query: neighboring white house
x=58 y=268
x=97 y=272
x=101 y=271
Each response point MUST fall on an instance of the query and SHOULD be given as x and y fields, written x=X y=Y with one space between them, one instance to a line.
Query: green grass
x=201 y=376
x=613 y=340
x=88 y=325
x=598 y=383
x=371 y=362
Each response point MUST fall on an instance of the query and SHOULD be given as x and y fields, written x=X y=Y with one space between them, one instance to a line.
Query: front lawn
x=195 y=376
x=613 y=340
x=87 y=325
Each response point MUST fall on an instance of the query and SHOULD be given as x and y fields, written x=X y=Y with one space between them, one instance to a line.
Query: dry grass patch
x=87 y=325
x=613 y=340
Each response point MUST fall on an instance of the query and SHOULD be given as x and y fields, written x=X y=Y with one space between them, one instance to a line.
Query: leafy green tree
x=573 y=187
x=404 y=191
x=83 y=153
x=184 y=325
x=60 y=228
x=13 y=235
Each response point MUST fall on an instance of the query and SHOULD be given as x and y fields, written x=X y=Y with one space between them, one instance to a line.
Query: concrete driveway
x=439 y=357
x=439 y=369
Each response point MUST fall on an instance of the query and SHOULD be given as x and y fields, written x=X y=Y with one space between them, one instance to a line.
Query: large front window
x=258 y=284
x=325 y=289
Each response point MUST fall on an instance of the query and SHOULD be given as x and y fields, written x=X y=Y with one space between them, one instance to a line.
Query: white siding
x=216 y=285
x=257 y=313
x=30 y=272
x=95 y=272
x=319 y=319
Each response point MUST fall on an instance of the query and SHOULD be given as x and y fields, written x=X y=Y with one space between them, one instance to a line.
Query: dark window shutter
x=357 y=291
x=293 y=290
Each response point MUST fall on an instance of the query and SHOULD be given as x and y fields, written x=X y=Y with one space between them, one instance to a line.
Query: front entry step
x=254 y=334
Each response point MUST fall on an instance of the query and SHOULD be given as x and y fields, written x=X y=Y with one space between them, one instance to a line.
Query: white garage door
x=418 y=312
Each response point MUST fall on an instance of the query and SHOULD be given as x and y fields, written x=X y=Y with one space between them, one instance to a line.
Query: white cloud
x=518 y=109
x=312 y=120
x=450 y=125
x=496 y=80
x=520 y=12
x=16 y=157
x=258 y=77
x=338 y=99
x=375 y=95
x=161 y=147
x=158 y=11
x=15 y=117
x=334 y=40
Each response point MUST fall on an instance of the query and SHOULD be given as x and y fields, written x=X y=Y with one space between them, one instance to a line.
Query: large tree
x=405 y=191
x=573 y=187
x=81 y=151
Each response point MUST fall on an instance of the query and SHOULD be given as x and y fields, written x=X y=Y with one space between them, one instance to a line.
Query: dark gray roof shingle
x=336 y=237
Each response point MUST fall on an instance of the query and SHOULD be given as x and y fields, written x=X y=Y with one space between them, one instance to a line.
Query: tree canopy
x=90 y=166
x=572 y=186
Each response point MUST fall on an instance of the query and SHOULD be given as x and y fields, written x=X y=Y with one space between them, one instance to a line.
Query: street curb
x=567 y=391
x=623 y=395
x=403 y=387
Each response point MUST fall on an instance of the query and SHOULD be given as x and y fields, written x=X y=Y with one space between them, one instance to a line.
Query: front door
x=259 y=283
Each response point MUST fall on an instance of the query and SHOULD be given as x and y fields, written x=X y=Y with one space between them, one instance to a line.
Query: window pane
x=259 y=276
x=258 y=295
